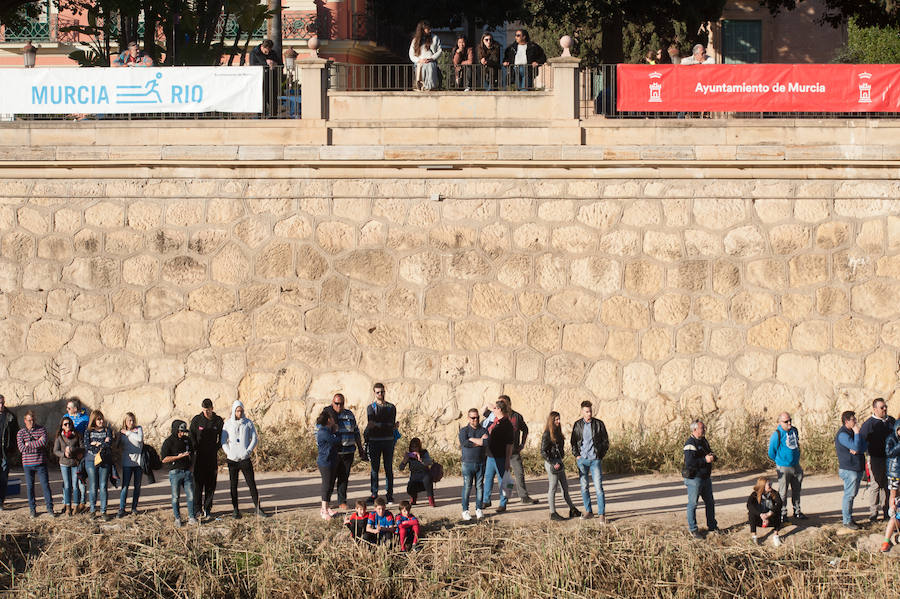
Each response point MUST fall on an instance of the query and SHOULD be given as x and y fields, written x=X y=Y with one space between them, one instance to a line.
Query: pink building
x=340 y=25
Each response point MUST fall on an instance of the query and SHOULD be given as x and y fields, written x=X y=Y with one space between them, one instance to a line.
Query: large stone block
x=597 y=274
x=113 y=370
x=626 y=313
x=183 y=330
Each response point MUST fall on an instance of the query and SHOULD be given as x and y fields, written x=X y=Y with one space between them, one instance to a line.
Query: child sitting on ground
x=357 y=521
x=380 y=527
x=409 y=527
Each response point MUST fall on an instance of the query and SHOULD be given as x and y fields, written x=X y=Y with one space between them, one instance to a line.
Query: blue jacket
x=784 y=447
x=328 y=443
x=844 y=441
x=892 y=452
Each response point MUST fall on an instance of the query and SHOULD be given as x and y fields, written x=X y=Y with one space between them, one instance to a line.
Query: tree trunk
x=611 y=51
x=274 y=25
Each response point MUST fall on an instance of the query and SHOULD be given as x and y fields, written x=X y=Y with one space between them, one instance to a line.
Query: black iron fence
x=469 y=78
x=598 y=99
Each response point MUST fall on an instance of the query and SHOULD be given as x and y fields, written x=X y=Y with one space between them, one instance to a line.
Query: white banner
x=131 y=90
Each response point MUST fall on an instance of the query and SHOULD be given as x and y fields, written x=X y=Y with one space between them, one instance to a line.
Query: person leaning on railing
x=488 y=56
x=525 y=56
x=132 y=57
x=424 y=51
x=463 y=59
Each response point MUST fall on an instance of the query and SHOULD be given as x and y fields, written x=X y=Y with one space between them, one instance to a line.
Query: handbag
x=436 y=470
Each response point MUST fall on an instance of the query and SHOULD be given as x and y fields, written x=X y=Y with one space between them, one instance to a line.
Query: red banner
x=759 y=87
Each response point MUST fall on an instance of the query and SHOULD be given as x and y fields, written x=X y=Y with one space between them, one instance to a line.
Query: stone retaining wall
x=658 y=299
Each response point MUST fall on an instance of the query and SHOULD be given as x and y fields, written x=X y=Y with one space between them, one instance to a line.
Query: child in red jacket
x=408 y=527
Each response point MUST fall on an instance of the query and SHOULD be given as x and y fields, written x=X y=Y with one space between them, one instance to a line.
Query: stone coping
x=428 y=94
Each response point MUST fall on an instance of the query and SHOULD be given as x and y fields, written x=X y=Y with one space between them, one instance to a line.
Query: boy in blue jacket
x=784 y=450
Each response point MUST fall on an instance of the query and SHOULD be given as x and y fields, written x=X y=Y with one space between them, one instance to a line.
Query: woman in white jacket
x=239 y=439
x=424 y=52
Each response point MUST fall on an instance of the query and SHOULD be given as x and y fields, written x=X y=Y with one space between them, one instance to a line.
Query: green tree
x=606 y=31
x=870 y=45
x=868 y=13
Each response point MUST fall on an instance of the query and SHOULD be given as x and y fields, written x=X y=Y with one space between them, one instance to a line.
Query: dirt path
x=628 y=497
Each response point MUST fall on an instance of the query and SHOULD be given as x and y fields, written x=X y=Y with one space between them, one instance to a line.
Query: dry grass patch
x=294 y=556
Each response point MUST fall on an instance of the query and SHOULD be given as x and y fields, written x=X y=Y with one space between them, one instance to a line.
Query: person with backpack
x=239 y=439
x=784 y=450
x=131 y=440
x=97 y=461
x=419 y=462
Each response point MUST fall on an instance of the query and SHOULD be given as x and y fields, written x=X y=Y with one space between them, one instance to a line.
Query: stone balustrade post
x=313 y=88
x=565 y=87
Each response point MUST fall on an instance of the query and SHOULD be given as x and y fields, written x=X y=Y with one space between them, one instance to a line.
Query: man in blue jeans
x=177 y=455
x=697 y=472
x=9 y=427
x=472 y=439
x=381 y=436
x=589 y=444
x=851 y=449
x=502 y=437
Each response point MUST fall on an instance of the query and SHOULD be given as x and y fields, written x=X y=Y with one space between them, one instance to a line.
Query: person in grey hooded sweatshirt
x=239 y=439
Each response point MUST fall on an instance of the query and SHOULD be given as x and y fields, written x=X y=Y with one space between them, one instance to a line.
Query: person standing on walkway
x=697 y=474
x=472 y=443
x=502 y=438
x=553 y=452
x=851 y=448
x=351 y=442
x=32 y=443
x=381 y=436
x=784 y=450
x=97 y=461
x=177 y=454
x=327 y=442
x=131 y=439
x=68 y=449
x=206 y=439
x=9 y=428
x=239 y=439
x=80 y=418
x=521 y=434
x=876 y=430
x=590 y=443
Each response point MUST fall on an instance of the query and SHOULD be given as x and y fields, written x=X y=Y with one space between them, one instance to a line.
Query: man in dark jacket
x=9 y=427
x=875 y=430
x=522 y=59
x=206 y=436
x=590 y=443
x=380 y=434
x=850 y=446
x=177 y=452
x=697 y=472
x=264 y=55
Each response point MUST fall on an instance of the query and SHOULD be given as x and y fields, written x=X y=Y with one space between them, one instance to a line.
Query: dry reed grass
x=298 y=557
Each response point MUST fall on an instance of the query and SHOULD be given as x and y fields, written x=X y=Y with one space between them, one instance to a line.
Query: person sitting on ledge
x=424 y=51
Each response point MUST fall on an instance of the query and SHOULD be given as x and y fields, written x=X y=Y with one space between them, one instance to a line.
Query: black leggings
x=774 y=522
x=245 y=466
x=328 y=474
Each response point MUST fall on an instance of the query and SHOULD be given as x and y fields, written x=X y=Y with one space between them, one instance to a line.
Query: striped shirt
x=31 y=444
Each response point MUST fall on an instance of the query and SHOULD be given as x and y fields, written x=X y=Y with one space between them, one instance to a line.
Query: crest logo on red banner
x=655 y=87
x=865 y=88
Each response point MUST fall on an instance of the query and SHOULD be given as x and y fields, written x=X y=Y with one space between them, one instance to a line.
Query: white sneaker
x=479 y=514
x=776 y=541
x=466 y=515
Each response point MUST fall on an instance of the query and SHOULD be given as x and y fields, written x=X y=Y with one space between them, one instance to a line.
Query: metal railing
x=402 y=77
x=280 y=92
x=598 y=99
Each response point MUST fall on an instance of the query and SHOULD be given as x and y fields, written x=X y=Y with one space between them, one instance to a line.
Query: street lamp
x=30 y=53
